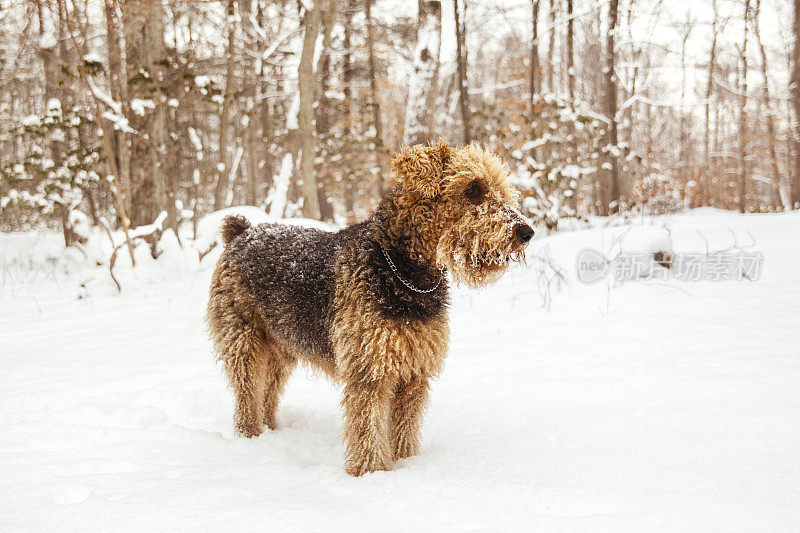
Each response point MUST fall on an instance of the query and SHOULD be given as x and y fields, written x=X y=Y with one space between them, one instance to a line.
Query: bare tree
x=534 y=76
x=223 y=170
x=256 y=110
x=306 y=85
x=743 y=112
x=347 y=69
x=461 y=59
x=712 y=60
x=770 y=112
x=418 y=120
x=570 y=52
x=795 y=91
x=111 y=161
x=373 y=87
x=207 y=104
x=551 y=46
x=118 y=82
x=51 y=56
x=322 y=78
x=610 y=202
x=683 y=162
x=49 y=53
x=146 y=50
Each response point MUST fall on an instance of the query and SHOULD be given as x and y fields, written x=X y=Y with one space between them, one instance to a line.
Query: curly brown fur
x=282 y=294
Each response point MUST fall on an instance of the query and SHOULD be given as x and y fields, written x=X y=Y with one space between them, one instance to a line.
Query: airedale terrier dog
x=367 y=305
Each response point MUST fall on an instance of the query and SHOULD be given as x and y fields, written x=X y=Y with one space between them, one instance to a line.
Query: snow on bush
x=646 y=240
x=54 y=166
x=31 y=258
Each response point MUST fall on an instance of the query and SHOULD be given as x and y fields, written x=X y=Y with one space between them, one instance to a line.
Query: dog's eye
x=473 y=191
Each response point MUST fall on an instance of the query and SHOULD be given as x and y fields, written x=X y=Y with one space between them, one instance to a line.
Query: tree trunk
x=348 y=179
x=111 y=160
x=118 y=81
x=306 y=84
x=743 y=116
x=630 y=112
x=626 y=180
x=712 y=59
x=223 y=178
x=422 y=90
x=48 y=55
x=327 y=30
x=551 y=47
x=252 y=98
x=796 y=103
x=374 y=104
x=463 y=95
x=683 y=150
x=319 y=111
x=773 y=156
x=143 y=23
x=533 y=79
x=570 y=53
x=611 y=196
x=265 y=117
x=347 y=73
x=52 y=90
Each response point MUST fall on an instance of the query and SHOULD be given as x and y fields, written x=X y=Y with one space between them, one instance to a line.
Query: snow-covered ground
x=660 y=405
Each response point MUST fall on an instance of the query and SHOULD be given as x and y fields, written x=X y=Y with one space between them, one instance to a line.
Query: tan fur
x=377 y=358
x=256 y=365
x=433 y=204
x=383 y=364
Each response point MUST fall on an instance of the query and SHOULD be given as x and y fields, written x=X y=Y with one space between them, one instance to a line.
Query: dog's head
x=468 y=207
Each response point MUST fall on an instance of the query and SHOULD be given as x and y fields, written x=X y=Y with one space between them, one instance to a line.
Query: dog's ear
x=420 y=167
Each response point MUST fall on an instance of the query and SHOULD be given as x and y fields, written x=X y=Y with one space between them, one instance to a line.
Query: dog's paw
x=270 y=421
x=405 y=451
x=405 y=446
x=364 y=465
x=248 y=431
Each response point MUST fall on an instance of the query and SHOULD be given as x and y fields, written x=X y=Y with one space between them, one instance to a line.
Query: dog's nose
x=523 y=232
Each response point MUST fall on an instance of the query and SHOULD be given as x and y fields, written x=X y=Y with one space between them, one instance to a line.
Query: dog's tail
x=232 y=226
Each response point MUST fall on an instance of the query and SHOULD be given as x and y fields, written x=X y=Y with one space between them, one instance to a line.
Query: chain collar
x=405 y=281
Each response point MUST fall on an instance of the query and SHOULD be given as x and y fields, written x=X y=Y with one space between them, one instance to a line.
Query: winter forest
x=114 y=112
x=636 y=367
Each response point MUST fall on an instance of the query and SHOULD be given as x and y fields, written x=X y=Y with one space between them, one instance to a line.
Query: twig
x=111 y=264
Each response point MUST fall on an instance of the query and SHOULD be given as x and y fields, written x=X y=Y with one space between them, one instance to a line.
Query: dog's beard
x=477 y=271
x=478 y=249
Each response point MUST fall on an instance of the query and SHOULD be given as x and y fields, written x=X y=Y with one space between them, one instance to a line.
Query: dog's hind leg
x=408 y=406
x=247 y=372
x=240 y=341
x=278 y=366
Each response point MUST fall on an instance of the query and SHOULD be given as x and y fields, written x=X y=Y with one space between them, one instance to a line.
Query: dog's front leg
x=408 y=406
x=366 y=418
